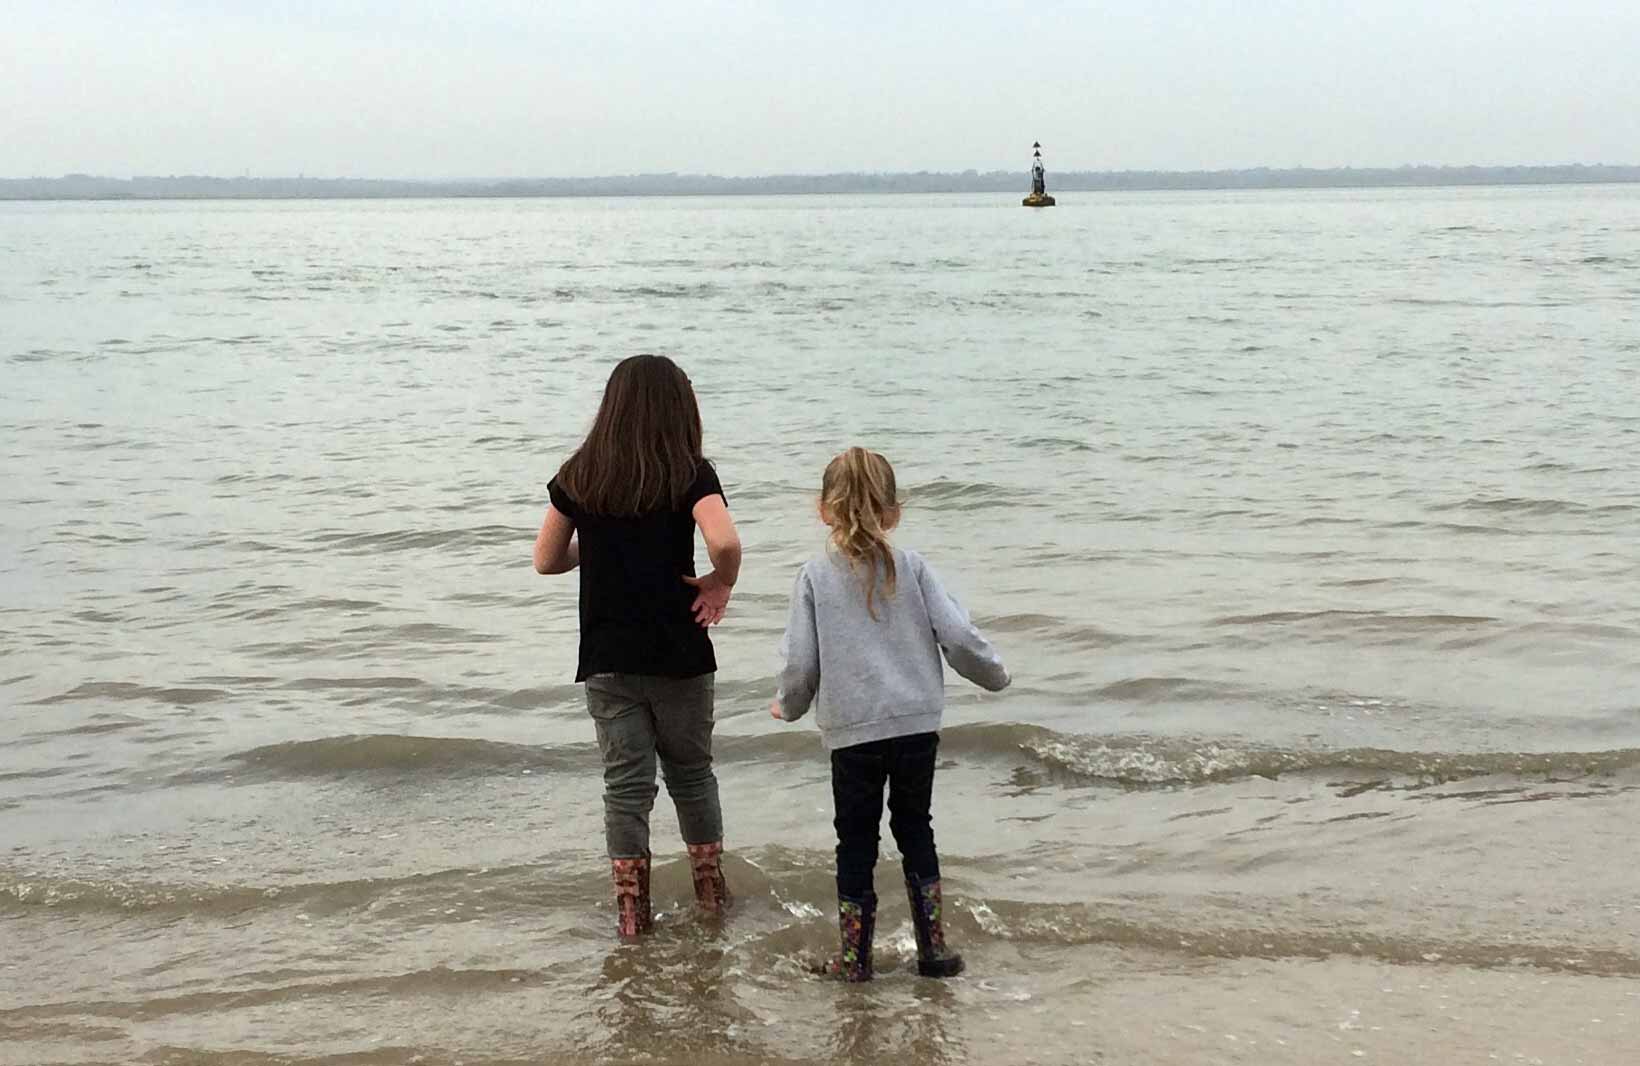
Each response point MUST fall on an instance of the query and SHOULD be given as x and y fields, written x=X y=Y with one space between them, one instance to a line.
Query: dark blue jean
x=858 y=774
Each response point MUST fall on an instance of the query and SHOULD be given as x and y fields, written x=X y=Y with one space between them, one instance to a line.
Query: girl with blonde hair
x=868 y=624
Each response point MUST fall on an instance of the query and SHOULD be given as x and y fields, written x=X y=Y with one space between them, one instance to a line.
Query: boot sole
x=941 y=968
x=831 y=971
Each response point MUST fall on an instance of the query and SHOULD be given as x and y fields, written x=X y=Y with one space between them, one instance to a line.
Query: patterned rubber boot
x=634 y=915
x=934 y=959
x=856 y=921
x=711 y=889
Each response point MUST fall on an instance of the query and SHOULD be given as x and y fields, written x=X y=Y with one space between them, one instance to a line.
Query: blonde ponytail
x=861 y=503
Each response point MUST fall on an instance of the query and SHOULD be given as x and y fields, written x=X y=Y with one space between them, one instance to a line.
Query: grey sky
x=414 y=88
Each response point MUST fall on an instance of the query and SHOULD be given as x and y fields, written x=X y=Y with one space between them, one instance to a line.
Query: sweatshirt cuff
x=792 y=709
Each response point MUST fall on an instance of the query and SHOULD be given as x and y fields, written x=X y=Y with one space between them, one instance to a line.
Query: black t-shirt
x=635 y=616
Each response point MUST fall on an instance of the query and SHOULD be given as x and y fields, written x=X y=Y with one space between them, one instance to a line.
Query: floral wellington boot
x=634 y=915
x=711 y=889
x=934 y=959
x=856 y=922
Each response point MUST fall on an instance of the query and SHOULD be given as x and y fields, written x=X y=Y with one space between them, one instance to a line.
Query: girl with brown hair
x=624 y=510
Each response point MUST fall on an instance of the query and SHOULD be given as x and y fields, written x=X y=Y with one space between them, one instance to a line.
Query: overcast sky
x=509 y=88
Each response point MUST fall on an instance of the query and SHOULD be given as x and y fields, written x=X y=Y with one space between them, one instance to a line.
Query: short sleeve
x=561 y=501
x=706 y=484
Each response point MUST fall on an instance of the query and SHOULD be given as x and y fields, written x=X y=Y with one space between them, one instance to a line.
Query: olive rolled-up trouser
x=642 y=720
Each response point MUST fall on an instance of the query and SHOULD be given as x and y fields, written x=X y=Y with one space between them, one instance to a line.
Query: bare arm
x=722 y=540
x=711 y=514
x=556 y=549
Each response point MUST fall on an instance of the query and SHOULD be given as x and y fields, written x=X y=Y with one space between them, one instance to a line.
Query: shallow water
x=1306 y=522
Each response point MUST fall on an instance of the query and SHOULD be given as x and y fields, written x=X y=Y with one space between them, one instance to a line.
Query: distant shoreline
x=189 y=187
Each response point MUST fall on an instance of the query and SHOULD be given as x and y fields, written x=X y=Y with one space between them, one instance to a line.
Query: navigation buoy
x=1039 y=181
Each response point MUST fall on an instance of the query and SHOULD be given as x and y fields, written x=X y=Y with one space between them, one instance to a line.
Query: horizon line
x=826 y=174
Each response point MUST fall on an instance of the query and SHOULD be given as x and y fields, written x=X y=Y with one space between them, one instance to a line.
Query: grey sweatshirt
x=877 y=678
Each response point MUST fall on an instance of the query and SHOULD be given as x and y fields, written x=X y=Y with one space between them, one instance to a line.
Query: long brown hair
x=861 y=503
x=643 y=450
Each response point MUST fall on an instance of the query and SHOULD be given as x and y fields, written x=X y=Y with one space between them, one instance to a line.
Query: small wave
x=1078 y=923
x=334 y=603
x=1125 y=760
x=33 y=775
x=350 y=683
x=413 y=540
x=1142 y=761
x=1139 y=761
x=20 y=889
x=1529 y=506
x=99 y=725
x=125 y=690
x=77 y=894
x=1430 y=301
x=1358 y=620
x=388 y=753
x=945 y=494
x=418 y=633
x=1055 y=444
x=249 y=609
x=1149 y=761
x=1464 y=528
x=788 y=893
x=668 y=292
x=1177 y=689
x=1550 y=466
x=1052 y=628
x=1595 y=630
x=414 y=693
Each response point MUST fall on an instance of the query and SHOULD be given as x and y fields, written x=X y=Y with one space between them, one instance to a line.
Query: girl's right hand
x=774 y=711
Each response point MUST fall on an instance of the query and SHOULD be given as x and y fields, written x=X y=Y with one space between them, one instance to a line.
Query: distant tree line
x=190 y=187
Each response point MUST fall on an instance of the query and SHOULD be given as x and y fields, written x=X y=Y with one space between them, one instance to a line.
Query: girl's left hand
x=774 y=711
x=712 y=598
